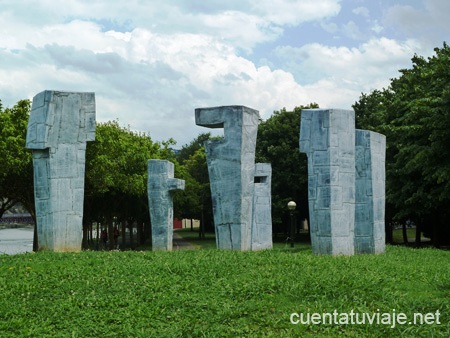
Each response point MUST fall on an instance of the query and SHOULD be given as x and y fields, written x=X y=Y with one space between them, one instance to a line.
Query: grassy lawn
x=397 y=235
x=212 y=293
x=209 y=242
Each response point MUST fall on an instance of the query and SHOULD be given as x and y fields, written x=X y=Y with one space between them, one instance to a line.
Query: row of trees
x=413 y=112
x=116 y=170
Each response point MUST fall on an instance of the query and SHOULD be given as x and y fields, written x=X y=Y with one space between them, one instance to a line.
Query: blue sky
x=151 y=63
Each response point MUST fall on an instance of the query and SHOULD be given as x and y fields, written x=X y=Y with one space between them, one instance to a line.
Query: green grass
x=397 y=235
x=212 y=293
x=209 y=242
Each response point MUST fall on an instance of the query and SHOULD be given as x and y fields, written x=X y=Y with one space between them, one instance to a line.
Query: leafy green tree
x=16 y=171
x=414 y=114
x=190 y=149
x=195 y=201
x=278 y=144
x=116 y=176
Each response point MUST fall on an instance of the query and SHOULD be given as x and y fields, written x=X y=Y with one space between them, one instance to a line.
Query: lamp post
x=291 y=206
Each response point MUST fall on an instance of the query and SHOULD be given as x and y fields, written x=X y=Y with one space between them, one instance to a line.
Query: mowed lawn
x=212 y=293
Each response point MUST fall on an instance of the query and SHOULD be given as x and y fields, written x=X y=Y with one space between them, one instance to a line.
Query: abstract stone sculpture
x=370 y=192
x=60 y=124
x=346 y=183
x=328 y=139
x=262 y=207
x=161 y=186
x=231 y=167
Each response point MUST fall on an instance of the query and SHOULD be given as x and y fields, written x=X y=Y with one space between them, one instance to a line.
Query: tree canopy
x=278 y=144
x=16 y=171
x=116 y=173
x=414 y=114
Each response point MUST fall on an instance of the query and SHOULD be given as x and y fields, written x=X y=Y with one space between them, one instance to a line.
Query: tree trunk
x=35 y=238
x=109 y=222
x=418 y=233
x=435 y=234
x=98 y=235
x=85 y=239
x=201 y=229
x=130 y=226
x=388 y=231
x=123 y=234
x=5 y=205
x=140 y=236
x=405 y=234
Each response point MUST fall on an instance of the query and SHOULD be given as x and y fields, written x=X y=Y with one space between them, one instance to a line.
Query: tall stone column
x=161 y=186
x=370 y=192
x=262 y=208
x=231 y=167
x=60 y=124
x=328 y=139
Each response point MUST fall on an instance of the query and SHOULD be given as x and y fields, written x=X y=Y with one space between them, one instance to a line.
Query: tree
x=195 y=201
x=278 y=144
x=16 y=170
x=190 y=149
x=116 y=176
x=414 y=114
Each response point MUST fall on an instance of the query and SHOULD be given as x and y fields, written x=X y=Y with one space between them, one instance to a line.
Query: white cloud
x=335 y=76
x=149 y=80
x=363 y=11
x=351 y=30
x=151 y=63
x=241 y=23
x=376 y=27
x=283 y=12
x=429 y=25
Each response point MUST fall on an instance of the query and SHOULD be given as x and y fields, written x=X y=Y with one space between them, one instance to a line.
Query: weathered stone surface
x=262 y=208
x=370 y=192
x=231 y=167
x=327 y=136
x=161 y=186
x=60 y=124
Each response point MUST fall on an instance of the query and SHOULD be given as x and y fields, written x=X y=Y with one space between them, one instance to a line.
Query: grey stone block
x=370 y=192
x=327 y=136
x=231 y=167
x=262 y=208
x=161 y=186
x=59 y=126
x=346 y=183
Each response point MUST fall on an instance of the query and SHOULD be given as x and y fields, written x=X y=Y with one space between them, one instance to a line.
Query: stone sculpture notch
x=262 y=208
x=60 y=124
x=370 y=192
x=328 y=139
x=231 y=167
x=161 y=186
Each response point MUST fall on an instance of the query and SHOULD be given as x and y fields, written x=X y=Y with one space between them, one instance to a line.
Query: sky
x=151 y=63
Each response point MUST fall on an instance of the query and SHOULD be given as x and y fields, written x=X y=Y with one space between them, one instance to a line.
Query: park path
x=20 y=240
x=16 y=240
x=181 y=244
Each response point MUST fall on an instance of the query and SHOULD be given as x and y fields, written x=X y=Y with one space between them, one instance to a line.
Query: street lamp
x=291 y=206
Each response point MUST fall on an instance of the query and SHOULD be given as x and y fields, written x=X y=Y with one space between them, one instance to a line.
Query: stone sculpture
x=60 y=124
x=346 y=183
x=328 y=139
x=262 y=208
x=161 y=186
x=231 y=167
x=370 y=192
